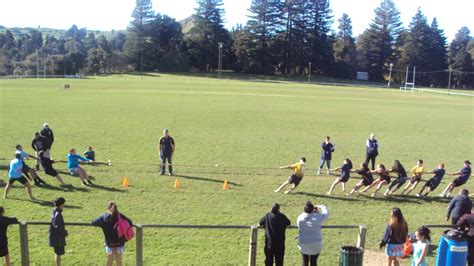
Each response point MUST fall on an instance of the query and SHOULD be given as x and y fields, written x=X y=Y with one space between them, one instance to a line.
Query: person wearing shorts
x=57 y=230
x=4 y=223
x=27 y=171
x=367 y=178
x=416 y=172
x=463 y=176
x=115 y=246
x=296 y=177
x=48 y=168
x=345 y=170
x=434 y=182
x=15 y=174
x=384 y=179
x=394 y=237
x=73 y=164
x=401 y=178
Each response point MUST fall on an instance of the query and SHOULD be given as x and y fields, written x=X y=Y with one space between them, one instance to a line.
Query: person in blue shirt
x=372 y=150
x=15 y=174
x=434 y=182
x=27 y=171
x=74 y=168
x=463 y=176
x=90 y=153
x=326 y=155
x=345 y=170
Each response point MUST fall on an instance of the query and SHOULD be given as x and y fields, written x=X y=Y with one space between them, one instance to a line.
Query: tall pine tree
x=460 y=59
x=344 y=48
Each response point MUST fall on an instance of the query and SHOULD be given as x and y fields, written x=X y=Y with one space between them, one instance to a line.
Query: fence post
x=139 y=239
x=25 y=257
x=253 y=245
x=361 y=237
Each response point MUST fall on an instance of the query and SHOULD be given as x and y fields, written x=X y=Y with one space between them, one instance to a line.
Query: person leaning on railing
x=4 y=223
x=466 y=222
x=57 y=230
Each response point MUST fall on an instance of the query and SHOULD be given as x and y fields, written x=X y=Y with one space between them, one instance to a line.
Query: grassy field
x=248 y=129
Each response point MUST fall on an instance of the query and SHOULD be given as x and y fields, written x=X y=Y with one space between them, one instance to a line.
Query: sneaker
x=441 y=195
x=319 y=171
x=276 y=191
x=170 y=174
x=84 y=184
x=328 y=193
x=328 y=172
x=418 y=195
x=90 y=183
x=286 y=192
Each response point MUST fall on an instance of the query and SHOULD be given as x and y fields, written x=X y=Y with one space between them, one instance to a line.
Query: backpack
x=124 y=228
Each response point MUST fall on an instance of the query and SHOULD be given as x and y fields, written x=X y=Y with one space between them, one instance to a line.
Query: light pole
x=390 y=75
x=219 y=64
x=309 y=73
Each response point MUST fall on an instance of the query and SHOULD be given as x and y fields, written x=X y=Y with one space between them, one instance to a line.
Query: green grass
x=248 y=129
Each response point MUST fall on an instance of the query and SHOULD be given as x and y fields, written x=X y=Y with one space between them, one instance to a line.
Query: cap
x=59 y=201
x=45 y=124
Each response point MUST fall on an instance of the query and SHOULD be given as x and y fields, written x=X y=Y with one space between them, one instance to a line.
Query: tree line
x=285 y=37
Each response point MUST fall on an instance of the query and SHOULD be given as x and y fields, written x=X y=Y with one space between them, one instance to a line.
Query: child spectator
x=57 y=230
x=4 y=223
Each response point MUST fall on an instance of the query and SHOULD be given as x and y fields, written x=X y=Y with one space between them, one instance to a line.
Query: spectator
x=421 y=247
x=15 y=174
x=57 y=231
x=467 y=222
x=114 y=246
x=47 y=133
x=310 y=239
x=372 y=150
x=90 y=154
x=326 y=155
x=166 y=148
x=463 y=176
x=4 y=223
x=395 y=237
x=275 y=224
x=459 y=206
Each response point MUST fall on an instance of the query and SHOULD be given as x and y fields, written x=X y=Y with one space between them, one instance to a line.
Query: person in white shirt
x=310 y=239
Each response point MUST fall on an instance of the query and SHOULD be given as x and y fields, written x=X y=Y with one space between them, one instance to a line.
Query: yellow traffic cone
x=226 y=185
x=125 y=182
x=176 y=184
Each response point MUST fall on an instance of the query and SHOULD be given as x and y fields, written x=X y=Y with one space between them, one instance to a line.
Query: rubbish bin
x=452 y=249
x=351 y=256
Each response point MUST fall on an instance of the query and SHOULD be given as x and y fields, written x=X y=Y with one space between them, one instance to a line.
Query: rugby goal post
x=409 y=85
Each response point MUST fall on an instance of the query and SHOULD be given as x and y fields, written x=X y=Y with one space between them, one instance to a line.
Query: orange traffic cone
x=125 y=182
x=176 y=184
x=226 y=185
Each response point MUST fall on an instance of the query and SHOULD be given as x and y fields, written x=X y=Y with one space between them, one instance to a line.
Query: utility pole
x=219 y=63
x=309 y=73
x=449 y=79
x=390 y=75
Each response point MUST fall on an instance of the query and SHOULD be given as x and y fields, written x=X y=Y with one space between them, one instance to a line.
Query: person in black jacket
x=459 y=206
x=467 y=222
x=48 y=168
x=47 y=133
x=38 y=144
x=326 y=155
x=57 y=230
x=114 y=246
x=372 y=150
x=4 y=223
x=275 y=224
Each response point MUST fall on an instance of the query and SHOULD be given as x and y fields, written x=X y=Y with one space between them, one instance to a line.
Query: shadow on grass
x=65 y=188
x=4 y=167
x=110 y=189
x=401 y=199
x=208 y=180
x=326 y=196
x=46 y=203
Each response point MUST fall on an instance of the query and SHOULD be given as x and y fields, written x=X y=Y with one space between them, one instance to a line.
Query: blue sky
x=116 y=14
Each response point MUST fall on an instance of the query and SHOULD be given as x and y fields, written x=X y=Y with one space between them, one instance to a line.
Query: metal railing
x=252 y=257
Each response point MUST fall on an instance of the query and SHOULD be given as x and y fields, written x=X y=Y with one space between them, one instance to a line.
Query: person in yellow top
x=416 y=172
x=296 y=177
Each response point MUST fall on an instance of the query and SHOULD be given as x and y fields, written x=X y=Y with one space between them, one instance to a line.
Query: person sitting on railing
x=114 y=245
x=310 y=239
x=275 y=224
x=4 y=223
x=57 y=231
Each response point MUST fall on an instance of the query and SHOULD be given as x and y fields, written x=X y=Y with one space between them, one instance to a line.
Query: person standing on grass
x=434 y=182
x=466 y=222
x=166 y=147
x=372 y=150
x=275 y=224
x=57 y=230
x=459 y=206
x=401 y=178
x=394 y=237
x=90 y=154
x=47 y=133
x=27 y=171
x=74 y=167
x=48 y=168
x=38 y=144
x=416 y=172
x=367 y=178
x=344 y=177
x=326 y=155
x=384 y=179
x=310 y=239
x=296 y=177
x=114 y=245
x=463 y=176
x=4 y=223
x=421 y=247
x=15 y=174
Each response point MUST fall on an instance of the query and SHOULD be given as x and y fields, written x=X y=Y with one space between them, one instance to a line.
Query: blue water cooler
x=452 y=249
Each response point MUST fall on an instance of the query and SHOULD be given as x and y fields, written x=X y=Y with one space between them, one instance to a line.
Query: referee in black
x=166 y=148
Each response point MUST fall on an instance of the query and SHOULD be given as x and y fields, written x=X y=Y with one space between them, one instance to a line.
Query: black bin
x=351 y=256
